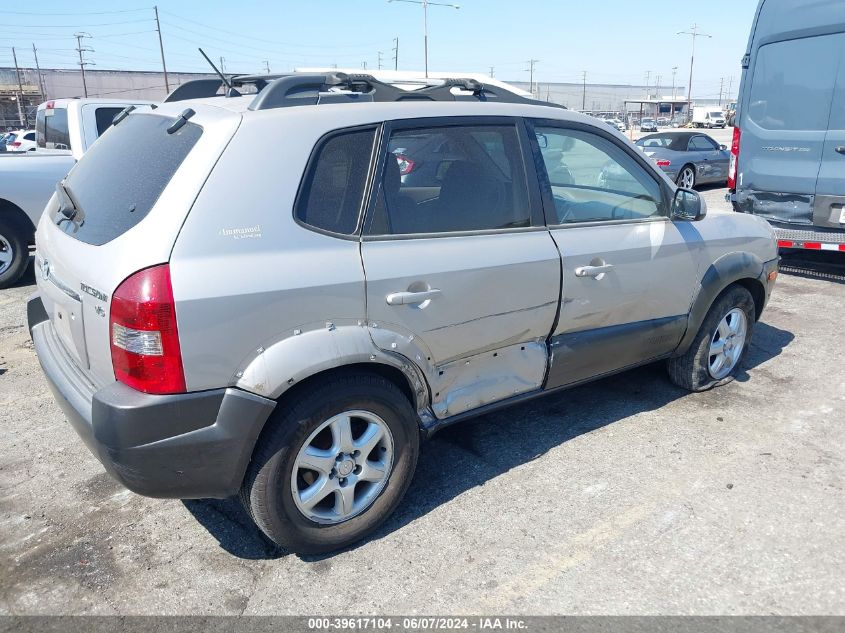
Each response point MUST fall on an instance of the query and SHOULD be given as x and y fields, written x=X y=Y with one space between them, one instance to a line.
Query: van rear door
x=784 y=126
x=829 y=209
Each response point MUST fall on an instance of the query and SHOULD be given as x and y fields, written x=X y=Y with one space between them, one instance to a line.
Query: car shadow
x=475 y=448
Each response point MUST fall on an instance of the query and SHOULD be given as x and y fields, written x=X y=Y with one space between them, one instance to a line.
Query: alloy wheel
x=7 y=254
x=342 y=467
x=727 y=343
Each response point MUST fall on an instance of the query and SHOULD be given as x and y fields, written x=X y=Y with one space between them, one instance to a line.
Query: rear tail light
x=406 y=165
x=16 y=143
x=664 y=163
x=145 y=348
x=732 y=170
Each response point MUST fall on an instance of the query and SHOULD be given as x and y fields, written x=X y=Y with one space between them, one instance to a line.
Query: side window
x=333 y=189
x=29 y=137
x=793 y=83
x=104 y=118
x=447 y=179
x=701 y=144
x=594 y=180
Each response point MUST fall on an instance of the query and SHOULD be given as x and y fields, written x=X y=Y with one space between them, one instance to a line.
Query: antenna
x=230 y=92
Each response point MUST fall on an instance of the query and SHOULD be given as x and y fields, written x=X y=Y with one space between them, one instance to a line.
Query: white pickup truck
x=65 y=129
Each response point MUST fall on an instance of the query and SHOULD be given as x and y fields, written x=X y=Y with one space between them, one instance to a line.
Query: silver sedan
x=688 y=158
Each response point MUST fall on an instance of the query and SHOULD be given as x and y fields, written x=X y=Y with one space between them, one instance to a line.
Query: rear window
x=793 y=83
x=51 y=130
x=120 y=178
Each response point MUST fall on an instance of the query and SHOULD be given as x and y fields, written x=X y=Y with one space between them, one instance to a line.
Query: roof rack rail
x=280 y=91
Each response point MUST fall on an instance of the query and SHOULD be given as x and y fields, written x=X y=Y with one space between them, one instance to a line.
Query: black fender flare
x=726 y=270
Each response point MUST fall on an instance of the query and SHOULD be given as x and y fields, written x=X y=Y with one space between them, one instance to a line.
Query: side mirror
x=723 y=147
x=688 y=206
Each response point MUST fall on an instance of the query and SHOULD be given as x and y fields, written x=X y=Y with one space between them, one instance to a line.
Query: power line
x=71 y=26
x=77 y=12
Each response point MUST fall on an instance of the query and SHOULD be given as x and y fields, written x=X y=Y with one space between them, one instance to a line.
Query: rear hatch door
x=118 y=211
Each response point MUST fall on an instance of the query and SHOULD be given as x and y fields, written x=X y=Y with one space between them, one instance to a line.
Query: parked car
x=688 y=158
x=64 y=130
x=350 y=312
x=8 y=137
x=788 y=149
x=663 y=122
x=708 y=117
x=648 y=125
x=22 y=141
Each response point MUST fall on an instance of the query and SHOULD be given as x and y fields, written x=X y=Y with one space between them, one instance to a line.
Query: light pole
x=694 y=33
x=425 y=4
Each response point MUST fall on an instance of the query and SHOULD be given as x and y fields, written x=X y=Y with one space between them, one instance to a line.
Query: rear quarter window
x=332 y=192
x=117 y=182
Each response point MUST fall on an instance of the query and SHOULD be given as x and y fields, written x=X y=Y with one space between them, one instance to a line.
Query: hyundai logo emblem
x=45 y=270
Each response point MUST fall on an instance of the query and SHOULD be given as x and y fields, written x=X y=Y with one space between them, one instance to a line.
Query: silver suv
x=279 y=294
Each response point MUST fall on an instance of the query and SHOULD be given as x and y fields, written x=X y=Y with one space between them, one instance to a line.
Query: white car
x=24 y=141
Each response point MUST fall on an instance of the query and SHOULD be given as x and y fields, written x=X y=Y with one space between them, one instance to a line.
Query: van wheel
x=334 y=463
x=686 y=178
x=716 y=353
x=14 y=253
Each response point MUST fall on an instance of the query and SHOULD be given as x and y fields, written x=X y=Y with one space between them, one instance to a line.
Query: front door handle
x=409 y=298
x=840 y=149
x=593 y=271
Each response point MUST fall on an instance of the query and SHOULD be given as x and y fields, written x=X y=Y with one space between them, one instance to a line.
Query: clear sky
x=614 y=41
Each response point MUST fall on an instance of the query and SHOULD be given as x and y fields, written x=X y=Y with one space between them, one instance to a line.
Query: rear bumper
x=182 y=446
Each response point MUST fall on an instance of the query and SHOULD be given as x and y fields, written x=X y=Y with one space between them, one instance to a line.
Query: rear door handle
x=841 y=149
x=593 y=271
x=409 y=298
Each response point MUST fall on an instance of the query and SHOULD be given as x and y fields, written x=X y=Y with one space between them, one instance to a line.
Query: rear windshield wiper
x=69 y=209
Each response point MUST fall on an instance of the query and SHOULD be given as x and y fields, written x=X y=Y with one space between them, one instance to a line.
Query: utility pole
x=584 y=91
x=266 y=63
x=647 y=77
x=674 y=72
x=492 y=74
x=730 y=87
x=530 y=71
x=395 y=53
x=379 y=60
x=721 y=89
x=161 y=48
x=222 y=68
x=694 y=33
x=24 y=119
x=82 y=63
x=38 y=70
x=364 y=65
x=425 y=4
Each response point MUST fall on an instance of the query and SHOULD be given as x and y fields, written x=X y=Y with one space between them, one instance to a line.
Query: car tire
x=686 y=177
x=276 y=484
x=694 y=370
x=14 y=252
